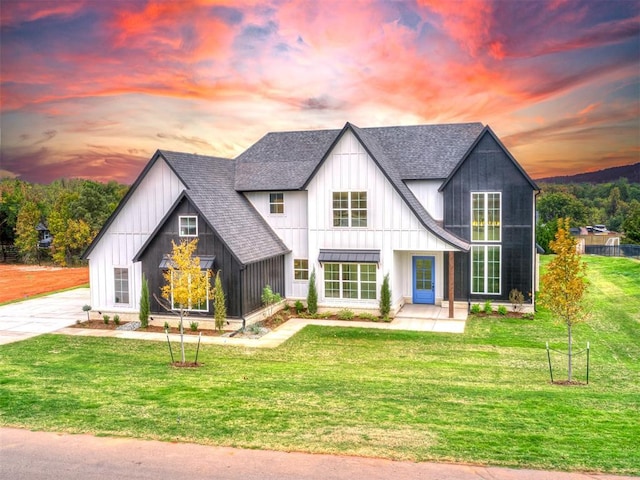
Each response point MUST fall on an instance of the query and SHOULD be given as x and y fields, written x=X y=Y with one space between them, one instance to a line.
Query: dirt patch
x=19 y=282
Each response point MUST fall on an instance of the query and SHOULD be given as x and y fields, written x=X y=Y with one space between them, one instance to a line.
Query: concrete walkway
x=57 y=312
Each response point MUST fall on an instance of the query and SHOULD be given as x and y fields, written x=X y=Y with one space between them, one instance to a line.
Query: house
x=444 y=210
x=44 y=235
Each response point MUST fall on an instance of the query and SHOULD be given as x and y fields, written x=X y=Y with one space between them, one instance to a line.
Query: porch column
x=451 y=283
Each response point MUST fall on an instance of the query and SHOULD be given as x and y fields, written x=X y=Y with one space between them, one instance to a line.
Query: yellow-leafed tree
x=187 y=287
x=564 y=284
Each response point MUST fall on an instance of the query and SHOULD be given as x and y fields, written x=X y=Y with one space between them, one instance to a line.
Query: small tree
x=186 y=285
x=144 y=303
x=385 y=297
x=312 y=294
x=26 y=234
x=269 y=299
x=564 y=283
x=219 y=303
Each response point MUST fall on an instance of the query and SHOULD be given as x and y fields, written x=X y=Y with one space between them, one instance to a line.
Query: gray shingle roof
x=210 y=182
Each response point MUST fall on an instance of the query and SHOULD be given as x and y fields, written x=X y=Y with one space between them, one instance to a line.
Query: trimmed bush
x=385 y=297
x=312 y=295
x=144 y=303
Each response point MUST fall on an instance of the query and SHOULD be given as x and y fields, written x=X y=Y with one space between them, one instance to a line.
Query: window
x=276 y=202
x=198 y=307
x=188 y=226
x=300 y=269
x=121 y=285
x=350 y=280
x=349 y=209
x=485 y=216
x=485 y=269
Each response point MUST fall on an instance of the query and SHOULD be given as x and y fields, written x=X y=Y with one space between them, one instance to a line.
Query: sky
x=93 y=88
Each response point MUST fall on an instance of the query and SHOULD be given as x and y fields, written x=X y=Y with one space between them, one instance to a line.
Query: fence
x=613 y=250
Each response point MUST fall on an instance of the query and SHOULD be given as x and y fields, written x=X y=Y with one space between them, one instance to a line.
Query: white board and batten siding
x=426 y=191
x=391 y=225
x=292 y=228
x=133 y=225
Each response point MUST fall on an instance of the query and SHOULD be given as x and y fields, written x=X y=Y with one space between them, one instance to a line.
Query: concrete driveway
x=36 y=316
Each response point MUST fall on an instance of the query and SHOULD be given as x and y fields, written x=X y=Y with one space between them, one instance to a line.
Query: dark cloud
x=47 y=135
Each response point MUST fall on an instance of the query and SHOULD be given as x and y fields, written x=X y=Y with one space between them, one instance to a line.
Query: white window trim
x=486 y=270
x=180 y=225
x=115 y=302
x=350 y=209
x=341 y=282
x=276 y=203
x=189 y=309
x=486 y=216
x=300 y=270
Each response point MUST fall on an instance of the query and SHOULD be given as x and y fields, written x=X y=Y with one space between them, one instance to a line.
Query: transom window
x=188 y=226
x=276 y=202
x=349 y=209
x=121 y=285
x=301 y=269
x=485 y=216
x=350 y=280
x=485 y=269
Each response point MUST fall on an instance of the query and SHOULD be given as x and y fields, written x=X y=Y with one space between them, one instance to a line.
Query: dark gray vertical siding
x=259 y=274
x=488 y=168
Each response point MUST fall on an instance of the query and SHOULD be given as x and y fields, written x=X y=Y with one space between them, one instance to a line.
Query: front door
x=424 y=285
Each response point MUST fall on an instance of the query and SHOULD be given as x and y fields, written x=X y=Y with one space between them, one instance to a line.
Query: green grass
x=482 y=397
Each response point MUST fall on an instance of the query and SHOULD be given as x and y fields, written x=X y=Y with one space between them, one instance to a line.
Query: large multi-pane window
x=485 y=269
x=485 y=216
x=188 y=226
x=350 y=280
x=349 y=209
x=121 y=285
x=276 y=202
x=301 y=269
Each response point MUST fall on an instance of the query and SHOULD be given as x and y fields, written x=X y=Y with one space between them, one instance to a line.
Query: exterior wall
x=254 y=278
x=391 y=225
x=292 y=228
x=145 y=208
x=489 y=169
x=426 y=191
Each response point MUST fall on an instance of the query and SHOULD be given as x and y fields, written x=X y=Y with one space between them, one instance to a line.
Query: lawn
x=483 y=397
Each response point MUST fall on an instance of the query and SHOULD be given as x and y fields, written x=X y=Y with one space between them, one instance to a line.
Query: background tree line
x=73 y=210
x=616 y=205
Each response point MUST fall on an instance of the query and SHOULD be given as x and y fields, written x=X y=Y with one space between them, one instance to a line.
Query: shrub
x=368 y=316
x=488 y=309
x=105 y=319
x=345 y=314
x=277 y=319
x=87 y=308
x=385 y=297
x=193 y=326
x=323 y=315
x=166 y=326
x=312 y=295
x=299 y=307
x=475 y=309
x=144 y=303
x=219 y=303
x=269 y=298
x=517 y=299
x=116 y=319
x=502 y=310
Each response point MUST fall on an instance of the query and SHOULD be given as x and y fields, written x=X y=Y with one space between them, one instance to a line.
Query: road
x=51 y=456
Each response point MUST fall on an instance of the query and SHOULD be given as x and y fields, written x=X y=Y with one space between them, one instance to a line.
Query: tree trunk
x=181 y=338
x=569 y=368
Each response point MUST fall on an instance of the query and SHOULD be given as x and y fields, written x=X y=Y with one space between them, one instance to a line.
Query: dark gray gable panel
x=349 y=256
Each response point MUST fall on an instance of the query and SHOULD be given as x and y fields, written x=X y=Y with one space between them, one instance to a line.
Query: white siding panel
x=142 y=213
x=426 y=191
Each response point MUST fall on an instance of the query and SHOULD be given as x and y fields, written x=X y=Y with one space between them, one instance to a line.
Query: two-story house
x=444 y=210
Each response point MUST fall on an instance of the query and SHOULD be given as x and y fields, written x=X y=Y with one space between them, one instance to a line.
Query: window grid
x=199 y=307
x=300 y=269
x=188 y=226
x=349 y=209
x=121 y=285
x=276 y=203
x=350 y=280
x=485 y=269
x=485 y=216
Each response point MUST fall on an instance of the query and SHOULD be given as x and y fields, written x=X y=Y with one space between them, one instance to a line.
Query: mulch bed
x=99 y=324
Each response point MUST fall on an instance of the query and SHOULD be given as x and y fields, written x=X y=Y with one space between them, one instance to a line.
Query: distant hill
x=608 y=175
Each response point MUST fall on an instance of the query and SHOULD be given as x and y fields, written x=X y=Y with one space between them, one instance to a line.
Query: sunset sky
x=92 y=88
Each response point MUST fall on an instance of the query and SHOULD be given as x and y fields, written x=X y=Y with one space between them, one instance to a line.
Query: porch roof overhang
x=206 y=262
x=349 y=256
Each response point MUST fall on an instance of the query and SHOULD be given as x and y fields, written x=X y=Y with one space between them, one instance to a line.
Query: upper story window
x=188 y=226
x=349 y=209
x=486 y=213
x=276 y=202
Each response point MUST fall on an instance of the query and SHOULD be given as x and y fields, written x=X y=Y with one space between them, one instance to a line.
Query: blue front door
x=424 y=285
